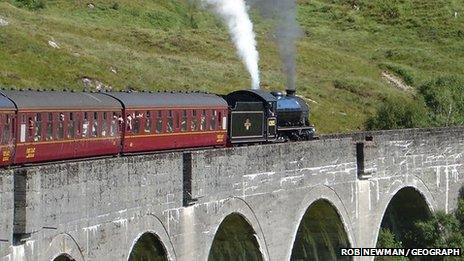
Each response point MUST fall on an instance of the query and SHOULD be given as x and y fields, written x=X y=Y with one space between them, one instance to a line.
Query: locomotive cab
x=252 y=116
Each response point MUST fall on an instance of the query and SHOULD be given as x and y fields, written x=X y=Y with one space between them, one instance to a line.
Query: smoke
x=234 y=13
x=283 y=14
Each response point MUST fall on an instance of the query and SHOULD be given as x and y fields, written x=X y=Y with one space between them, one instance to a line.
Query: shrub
x=398 y=113
x=30 y=4
x=115 y=6
x=386 y=239
x=441 y=231
x=445 y=100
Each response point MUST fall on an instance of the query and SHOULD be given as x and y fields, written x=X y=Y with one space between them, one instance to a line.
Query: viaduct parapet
x=97 y=209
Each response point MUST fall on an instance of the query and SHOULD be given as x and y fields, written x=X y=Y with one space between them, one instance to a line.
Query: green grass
x=176 y=45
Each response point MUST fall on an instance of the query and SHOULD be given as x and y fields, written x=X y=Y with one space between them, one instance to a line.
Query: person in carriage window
x=129 y=122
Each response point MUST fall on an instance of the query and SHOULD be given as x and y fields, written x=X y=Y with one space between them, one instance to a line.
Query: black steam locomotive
x=261 y=116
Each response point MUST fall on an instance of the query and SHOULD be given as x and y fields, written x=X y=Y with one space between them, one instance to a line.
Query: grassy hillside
x=176 y=45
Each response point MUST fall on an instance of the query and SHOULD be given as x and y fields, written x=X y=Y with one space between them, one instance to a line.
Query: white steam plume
x=234 y=13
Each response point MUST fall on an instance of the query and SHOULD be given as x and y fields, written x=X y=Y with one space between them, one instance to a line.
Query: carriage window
x=71 y=126
x=219 y=119
x=95 y=125
x=60 y=132
x=194 y=125
x=129 y=122
x=212 y=126
x=183 y=124
x=169 y=123
x=147 y=122
x=38 y=127
x=49 y=127
x=159 y=122
x=6 y=130
x=176 y=120
x=203 y=120
x=114 y=124
x=30 y=123
x=85 y=125
x=104 y=130
x=137 y=117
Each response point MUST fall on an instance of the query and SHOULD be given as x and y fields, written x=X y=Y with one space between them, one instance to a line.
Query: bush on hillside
x=398 y=113
x=30 y=4
x=445 y=100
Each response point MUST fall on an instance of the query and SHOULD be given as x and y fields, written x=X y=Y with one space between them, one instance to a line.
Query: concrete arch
x=329 y=195
x=156 y=238
x=239 y=206
x=64 y=244
x=150 y=223
x=413 y=182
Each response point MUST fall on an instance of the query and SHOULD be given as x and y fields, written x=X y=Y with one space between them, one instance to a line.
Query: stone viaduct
x=288 y=199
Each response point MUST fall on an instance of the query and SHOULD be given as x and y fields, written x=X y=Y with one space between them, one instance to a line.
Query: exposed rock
x=94 y=84
x=308 y=99
x=53 y=44
x=113 y=70
x=91 y=6
x=3 y=21
x=396 y=81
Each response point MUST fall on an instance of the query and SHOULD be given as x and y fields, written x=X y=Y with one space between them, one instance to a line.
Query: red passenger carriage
x=7 y=131
x=161 y=120
x=64 y=125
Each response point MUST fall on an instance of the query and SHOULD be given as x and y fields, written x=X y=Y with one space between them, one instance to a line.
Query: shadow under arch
x=148 y=247
x=235 y=239
x=237 y=205
x=407 y=206
x=149 y=223
x=63 y=257
x=321 y=233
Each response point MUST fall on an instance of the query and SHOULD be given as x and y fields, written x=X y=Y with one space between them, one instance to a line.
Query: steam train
x=41 y=126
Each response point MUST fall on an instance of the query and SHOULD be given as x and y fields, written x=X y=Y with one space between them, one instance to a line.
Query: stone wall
x=96 y=209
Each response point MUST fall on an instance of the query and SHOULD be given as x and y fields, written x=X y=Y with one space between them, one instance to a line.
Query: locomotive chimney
x=290 y=92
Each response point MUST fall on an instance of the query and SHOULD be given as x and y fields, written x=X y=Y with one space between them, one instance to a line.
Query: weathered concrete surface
x=97 y=209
